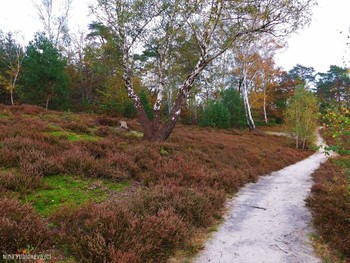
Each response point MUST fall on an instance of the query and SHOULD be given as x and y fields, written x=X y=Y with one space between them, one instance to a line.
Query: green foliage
x=63 y=190
x=337 y=121
x=72 y=136
x=11 y=56
x=233 y=102
x=334 y=86
x=216 y=115
x=145 y=100
x=44 y=81
x=301 y=117
x=302 y=74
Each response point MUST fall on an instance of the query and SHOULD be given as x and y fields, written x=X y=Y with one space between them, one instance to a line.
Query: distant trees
x=302 y=116
x=216 y=115
x=225 y=112
x=303 y=75
x=233 y=102
x=43 y=81
x=334 y=85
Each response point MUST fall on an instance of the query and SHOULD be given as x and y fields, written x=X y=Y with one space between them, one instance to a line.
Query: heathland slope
x=76 y=185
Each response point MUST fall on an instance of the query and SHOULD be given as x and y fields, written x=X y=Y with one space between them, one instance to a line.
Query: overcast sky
x=319 y=46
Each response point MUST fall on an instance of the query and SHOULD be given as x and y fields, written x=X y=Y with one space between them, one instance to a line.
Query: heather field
x=330 y=205
x=78 y=187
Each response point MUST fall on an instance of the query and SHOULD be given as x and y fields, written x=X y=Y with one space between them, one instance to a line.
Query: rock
x=123 y=125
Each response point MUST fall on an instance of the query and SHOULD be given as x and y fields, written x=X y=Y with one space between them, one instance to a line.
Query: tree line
x=200 y=62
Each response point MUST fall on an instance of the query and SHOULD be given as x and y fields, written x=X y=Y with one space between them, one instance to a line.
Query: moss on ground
x=62 y=190
x=72 y=136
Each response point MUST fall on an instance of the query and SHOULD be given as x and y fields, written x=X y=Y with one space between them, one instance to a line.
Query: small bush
x=19 y=182
x=111 y=233
x=108 y=121
x=27 y=109
x=36 y=163
x=76 y=127
x=21 y=227
x=103 y=131
x=77 y=161
x=18 y=147
x=197 y=207
x=330 y=205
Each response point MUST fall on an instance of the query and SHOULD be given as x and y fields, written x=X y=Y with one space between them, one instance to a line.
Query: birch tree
x=302 y=116
x=265 y=74
x=11 y=57
x=54 y=15
x=211 y=27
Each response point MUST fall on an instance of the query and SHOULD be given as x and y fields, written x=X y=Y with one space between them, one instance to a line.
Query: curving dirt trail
x=267 y=221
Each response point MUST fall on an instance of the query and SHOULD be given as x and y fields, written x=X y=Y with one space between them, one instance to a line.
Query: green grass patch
x=4 y=115
x=62 y=190
x=72 y=136
x=136 y=134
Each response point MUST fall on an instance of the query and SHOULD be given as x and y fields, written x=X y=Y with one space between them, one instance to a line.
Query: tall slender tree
x=54 y=15
x=302 y=116
x=11 y=57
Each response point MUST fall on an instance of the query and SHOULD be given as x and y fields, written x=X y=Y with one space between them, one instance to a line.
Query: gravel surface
x=267 y=221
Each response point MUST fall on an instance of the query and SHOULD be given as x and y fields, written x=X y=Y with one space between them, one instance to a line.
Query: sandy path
x=267 y=221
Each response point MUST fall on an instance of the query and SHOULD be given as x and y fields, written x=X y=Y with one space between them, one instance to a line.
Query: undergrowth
x=79 y=171
x=330 y=205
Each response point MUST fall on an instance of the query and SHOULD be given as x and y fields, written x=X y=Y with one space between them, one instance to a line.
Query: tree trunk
x=265 y=112
x=47 y=102
x=11 y=97
x=166 y=129
x=250 y=120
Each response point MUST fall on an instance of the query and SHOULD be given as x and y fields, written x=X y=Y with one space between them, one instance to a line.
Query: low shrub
x=21 y=227
x=76 y=127
x=107 y=121
x=198 y=207
x=15 y=148
x=77 y=161
x=19 y=182
x=103 y=131
x=27 y=109
x=330 y=205
x=109 y=232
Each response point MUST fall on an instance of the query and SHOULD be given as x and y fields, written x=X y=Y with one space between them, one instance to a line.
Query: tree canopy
x=44 y=80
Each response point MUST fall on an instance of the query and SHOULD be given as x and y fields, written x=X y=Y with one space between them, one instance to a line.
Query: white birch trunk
x=265 y=112
x=250 y=120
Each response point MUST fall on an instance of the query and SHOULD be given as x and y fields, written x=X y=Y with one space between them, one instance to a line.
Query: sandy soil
x=267 y=221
